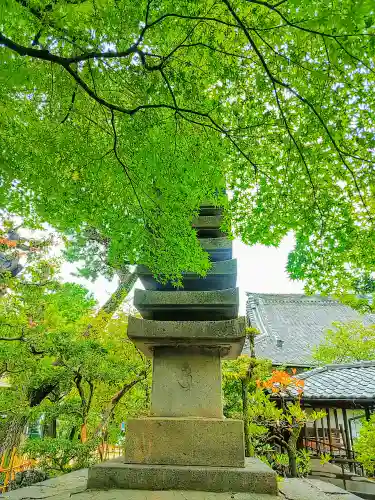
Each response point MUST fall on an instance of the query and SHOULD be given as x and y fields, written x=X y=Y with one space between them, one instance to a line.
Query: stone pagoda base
x=255 y=477
x=185 y=441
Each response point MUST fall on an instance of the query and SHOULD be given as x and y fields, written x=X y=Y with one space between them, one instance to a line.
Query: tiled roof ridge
x=293 y=297
x=259 y=318
x=338 y=366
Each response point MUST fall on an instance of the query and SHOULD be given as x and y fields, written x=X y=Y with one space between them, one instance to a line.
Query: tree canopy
x=123 y=117
x=347 y=342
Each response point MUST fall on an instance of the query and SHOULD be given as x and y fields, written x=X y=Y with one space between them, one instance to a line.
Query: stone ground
x=356 y=484
x=73 y=486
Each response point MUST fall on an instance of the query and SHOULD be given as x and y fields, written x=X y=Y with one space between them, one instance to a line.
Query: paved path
x=73 y=486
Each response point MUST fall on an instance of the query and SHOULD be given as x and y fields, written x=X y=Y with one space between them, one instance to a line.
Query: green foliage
x=347 y=342
x=68 y=366
x=280 y=462
x=364 y=446
x=325 y=458
x=58 y=455
x=124 y=128
x=233 y=372
x=271 y=427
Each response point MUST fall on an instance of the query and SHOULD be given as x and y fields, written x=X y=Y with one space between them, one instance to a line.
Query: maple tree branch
x=305 y=101
x=215 y=49
x=124 y=167
x=116 y=399
x=297 y=26
x=21 y=338
x=192 y=18
x=70 y=107
x=169 y=87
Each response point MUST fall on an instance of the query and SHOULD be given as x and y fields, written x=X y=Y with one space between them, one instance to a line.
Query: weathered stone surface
x=312 y=489
x=185 y=441
x=221 y=275
x=207 y=221
x=208 y=226
x=227 y=335
x=187 y=305
x=216 y=243
x=186 y=382
x=217 y=248
x=73 y=485
x=208 y=208
x=256 y=477
x=58 y=487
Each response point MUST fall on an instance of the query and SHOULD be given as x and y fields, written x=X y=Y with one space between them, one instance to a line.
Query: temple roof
x=354 y=381
x=291 y=325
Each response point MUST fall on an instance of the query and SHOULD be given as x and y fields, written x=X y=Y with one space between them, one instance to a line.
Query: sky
x=260 y=269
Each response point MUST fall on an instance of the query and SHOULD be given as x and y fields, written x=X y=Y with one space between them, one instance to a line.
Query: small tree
x=240 y=378
x=364 y=446
x=284 y=425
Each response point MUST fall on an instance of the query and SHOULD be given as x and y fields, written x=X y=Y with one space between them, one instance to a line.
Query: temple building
x=290 y=327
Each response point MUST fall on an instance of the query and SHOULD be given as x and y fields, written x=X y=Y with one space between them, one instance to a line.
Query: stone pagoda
x=186 y=443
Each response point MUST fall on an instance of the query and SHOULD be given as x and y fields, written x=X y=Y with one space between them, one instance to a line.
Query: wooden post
x=367 y=413
x=343 y=437
x=337 y=427
x=323 y=434
x=347 y=436
x=317 y=444
x=329 y=430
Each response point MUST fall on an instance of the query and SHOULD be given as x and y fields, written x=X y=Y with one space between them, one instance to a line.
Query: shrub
x=364 y=446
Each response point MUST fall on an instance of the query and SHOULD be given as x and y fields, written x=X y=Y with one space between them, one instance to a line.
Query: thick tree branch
x=115 y=401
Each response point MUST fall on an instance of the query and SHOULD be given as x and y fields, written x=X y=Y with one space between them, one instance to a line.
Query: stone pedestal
x=186 y=443
x=253 y=477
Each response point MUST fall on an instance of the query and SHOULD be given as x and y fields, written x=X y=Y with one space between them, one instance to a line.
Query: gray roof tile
x=342 y=381
x=291 y=325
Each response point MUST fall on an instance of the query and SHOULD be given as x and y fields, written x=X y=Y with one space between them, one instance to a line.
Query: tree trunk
x=114 y=402
x=126 y=283
x=292 y=450
x=15 y=429
x=292 y=462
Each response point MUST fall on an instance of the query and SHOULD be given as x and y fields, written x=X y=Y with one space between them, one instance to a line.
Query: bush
x=364 y=446
x=60 y=455
x=27 y=478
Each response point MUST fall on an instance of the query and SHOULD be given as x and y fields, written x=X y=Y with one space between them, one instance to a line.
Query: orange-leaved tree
x=285 y=424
